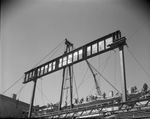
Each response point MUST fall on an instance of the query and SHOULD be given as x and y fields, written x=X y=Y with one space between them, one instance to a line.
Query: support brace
x=123 y=73
x=32 y=99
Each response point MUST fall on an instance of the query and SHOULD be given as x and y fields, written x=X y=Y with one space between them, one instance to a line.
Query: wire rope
x=102 y=70
x=48 y=54
x=43 y=94
x=104 y=78
x=75 y=83
x=33 y=67
x=20 y=90
x=42 y=91
x=60 y=44
x=54 y=53
x=115 y=70
x=99 y=81
x=13 y=84
x=139 y=28
x=139 y=63
x=83 y=78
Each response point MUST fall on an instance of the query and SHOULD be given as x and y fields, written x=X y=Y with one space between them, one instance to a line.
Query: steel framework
x=96 y=47
x=107 y=108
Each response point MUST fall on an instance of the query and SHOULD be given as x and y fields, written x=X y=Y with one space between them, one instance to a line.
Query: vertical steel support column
x=62 y=87
x=70 y=75
x=123 y=73
x=68 y=45
x=32 y=99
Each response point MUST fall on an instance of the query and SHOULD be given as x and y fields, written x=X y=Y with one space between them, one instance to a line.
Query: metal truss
x=96 y=47
x=131 y=109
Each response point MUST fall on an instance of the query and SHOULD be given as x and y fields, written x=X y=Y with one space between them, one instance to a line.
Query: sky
x=30 y=29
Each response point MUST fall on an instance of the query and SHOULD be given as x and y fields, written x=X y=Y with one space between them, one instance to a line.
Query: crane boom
x=95 y=80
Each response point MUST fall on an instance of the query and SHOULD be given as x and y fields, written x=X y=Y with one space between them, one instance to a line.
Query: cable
x=83 y=78
x=132 y=53
x=48 y=54
x=104 y=78
x=33 y=67
x=136 y=31
x=115 y=71
x=138 y=62
x=65 y=86
x=99 y=78
x=107 y=81
x=91 y=90
x=12 y=85
x=54 y=53
x=106 y=63
x=20 y=89
x=42 y=92
x=75 y=83
x=102 y=70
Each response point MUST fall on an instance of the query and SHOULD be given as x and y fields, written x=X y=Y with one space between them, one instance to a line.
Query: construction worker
x=145 y=87
x=81 y=101
x=66 y=104
x=76 y=100
x=87 y=99
x=104 y=95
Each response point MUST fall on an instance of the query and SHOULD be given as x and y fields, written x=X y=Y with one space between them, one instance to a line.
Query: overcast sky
x=30 y=29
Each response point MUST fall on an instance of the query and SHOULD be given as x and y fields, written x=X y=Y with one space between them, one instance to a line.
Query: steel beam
x=123 y=74
x=32 y=99
x=101 y=107
x=84 y=52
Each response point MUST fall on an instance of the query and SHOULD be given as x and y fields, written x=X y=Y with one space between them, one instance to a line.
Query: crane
x=95 y=80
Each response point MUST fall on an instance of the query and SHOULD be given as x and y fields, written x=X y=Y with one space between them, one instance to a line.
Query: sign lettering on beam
x=89 y=50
